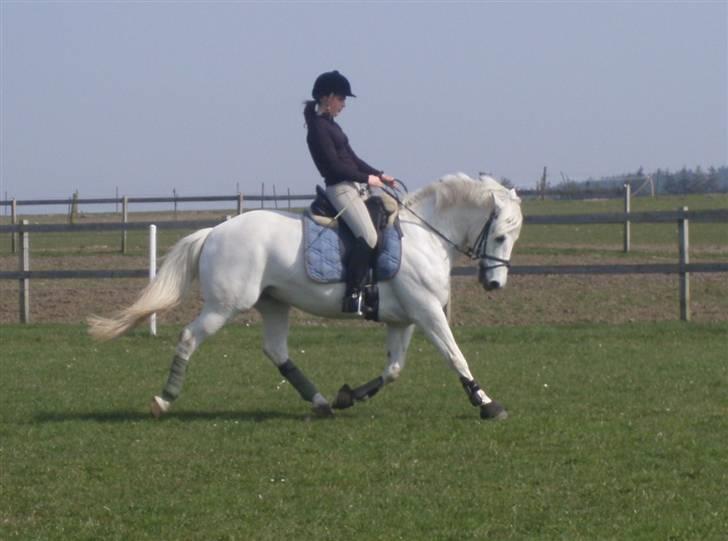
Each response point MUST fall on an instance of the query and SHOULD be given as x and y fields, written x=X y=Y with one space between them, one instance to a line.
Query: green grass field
x=616 y=432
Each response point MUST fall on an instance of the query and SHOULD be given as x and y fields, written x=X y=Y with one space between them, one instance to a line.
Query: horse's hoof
x=321 y=407
x=322 y=411
x=344 y=398
x=158 y=406
x=493 y=411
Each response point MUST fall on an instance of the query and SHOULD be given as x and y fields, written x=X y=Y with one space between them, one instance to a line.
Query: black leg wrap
x=344 y=398
x=368 y=390
x=300 y=382
x=347 y=396
x=471 y=388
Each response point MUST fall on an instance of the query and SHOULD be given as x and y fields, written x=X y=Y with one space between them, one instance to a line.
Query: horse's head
x=500 y=233
x=465 y=200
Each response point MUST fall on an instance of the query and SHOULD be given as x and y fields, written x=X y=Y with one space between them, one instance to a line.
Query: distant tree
x=682 y=181
x=698 y=181
x=542 y=185
x=506 y=183
x=712 y=180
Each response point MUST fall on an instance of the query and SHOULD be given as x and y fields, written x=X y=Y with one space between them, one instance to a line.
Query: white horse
x=256 y=261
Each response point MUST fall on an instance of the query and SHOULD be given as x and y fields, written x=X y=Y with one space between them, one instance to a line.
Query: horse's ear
x=514 y=195
x=499 y=199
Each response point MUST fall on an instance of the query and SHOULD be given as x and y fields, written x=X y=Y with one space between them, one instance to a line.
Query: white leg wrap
x=159 y=406
x=484 y=398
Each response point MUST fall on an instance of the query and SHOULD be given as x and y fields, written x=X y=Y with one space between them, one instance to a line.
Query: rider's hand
x=387 y=179
x=379 y=181
x=375 y=182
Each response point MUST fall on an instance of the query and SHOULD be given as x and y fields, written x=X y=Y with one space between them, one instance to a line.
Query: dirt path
x=526 y=300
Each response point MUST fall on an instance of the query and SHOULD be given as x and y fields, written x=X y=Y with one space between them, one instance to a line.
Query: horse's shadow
x=129 y=416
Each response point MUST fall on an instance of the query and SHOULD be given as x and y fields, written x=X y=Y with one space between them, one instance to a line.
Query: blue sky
x=205 y=97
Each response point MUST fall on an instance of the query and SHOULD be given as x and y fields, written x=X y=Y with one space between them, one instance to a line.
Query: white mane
x=458 y=189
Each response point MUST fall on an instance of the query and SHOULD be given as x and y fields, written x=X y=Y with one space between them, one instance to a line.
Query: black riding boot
x=357 y=268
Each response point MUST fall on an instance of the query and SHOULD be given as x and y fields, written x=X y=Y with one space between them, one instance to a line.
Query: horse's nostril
x=493 y=284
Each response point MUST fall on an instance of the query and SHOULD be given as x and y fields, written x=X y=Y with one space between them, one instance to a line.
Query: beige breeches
x=346 y=195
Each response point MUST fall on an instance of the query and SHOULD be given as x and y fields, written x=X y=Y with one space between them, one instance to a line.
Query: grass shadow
x=127 y=416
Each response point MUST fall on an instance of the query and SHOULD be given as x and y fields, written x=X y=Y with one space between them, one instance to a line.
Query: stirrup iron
x=353 y=303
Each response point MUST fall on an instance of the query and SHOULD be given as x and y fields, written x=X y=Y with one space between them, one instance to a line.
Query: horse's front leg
x=433 y=323
x=398 y=339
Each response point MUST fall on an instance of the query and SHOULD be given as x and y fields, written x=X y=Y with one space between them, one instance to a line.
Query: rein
x=477 y=251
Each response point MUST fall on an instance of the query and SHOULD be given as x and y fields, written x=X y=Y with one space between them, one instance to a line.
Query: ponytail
x=309 y=111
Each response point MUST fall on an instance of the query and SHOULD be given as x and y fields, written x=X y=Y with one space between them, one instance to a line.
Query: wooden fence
x=683 y=267
x=74 y=203
x=239 y=199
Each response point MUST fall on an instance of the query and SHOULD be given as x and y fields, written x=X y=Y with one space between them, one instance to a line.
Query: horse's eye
x=500 y=239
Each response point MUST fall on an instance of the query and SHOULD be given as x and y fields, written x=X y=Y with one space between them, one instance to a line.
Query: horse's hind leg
x=275 y=345
x=206 y=324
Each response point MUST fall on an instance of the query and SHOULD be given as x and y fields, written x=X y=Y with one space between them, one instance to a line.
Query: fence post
x=152 y=272
x=14 y=221
x=684 y=260
x=24 y=282
x=241 y=203
x=627 y=206
x=124 y=220
x=73 y=211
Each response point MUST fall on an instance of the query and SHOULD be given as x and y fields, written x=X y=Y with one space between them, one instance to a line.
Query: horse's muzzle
x=488 y=284
x=496 y=280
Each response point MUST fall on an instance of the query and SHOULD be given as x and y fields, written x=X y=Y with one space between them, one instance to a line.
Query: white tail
x=164 y=292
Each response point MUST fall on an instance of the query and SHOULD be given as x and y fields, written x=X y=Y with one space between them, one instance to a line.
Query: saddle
x=327 y=242
x=382 y=208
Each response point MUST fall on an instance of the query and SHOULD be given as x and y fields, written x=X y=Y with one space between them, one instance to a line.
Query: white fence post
x=124 y=220
x=627 y=206
x=684 y=260
x=24 y=282
x=13 y=221
x=152 y=272
x=241 y=203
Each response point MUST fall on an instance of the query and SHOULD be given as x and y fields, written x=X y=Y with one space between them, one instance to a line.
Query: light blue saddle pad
x=323 y=252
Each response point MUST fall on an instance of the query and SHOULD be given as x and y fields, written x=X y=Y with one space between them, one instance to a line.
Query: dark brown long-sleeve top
x=332 y=154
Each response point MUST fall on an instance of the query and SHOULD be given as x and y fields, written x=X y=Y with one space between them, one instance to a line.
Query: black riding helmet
x=331 y=82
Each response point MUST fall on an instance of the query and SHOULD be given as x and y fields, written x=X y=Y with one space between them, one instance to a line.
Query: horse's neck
x=459 y=224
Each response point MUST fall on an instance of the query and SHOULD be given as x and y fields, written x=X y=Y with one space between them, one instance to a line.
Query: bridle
x=479 y=247
x=478 y=251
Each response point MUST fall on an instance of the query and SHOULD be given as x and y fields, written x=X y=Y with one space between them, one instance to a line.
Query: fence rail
x=683 y=267
x=179 y=199
x=702 y=216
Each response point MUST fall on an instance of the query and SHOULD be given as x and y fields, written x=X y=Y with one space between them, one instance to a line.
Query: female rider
x=346 y=176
